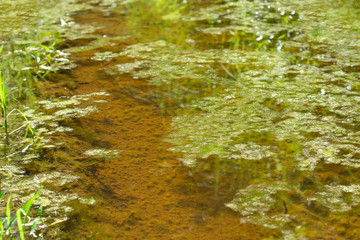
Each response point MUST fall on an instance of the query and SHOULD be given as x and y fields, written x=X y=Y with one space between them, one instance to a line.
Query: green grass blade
x=11 y=223
x=40 y=211
x=33 y=226
x=1 y=223
x=53 y=45
x=45 y=74
x=3 y=100
x=41 y=76
x=27 y=205
x=2 y=230
x=27 y=121
x=8 y=215
x=2 y=193
x=45 y=47
x=1 y=48
x=3 y=92
x=20 y=225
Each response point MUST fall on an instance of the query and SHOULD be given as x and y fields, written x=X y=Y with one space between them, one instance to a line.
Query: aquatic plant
x=7 y=228
x=6 y=114
x=4 y=106
x=272 y=98
x=28 y=57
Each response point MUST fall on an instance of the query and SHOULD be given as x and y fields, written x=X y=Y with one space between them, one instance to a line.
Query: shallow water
x=199 y=120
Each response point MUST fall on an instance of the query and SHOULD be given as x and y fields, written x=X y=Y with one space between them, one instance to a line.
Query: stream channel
x=232 y=119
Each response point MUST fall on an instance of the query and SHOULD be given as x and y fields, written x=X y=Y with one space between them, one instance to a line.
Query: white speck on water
x=259 y=38
x=62 y=22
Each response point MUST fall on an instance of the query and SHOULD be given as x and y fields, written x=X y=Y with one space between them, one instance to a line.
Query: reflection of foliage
x=252 y=107
x=163 y=9
x=161 y=16
x=274 y=99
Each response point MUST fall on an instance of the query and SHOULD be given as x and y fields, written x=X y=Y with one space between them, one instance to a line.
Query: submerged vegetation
x=264 y=98
x=6 y=114
x=29 y=53
x=267 y=102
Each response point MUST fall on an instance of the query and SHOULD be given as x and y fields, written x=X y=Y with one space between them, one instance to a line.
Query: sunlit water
x=258 y=101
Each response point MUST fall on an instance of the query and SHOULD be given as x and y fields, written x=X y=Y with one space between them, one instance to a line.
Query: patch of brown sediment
x=144 y=193
x=152 y=197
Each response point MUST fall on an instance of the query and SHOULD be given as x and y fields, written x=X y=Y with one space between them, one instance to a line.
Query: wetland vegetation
x=177 y=119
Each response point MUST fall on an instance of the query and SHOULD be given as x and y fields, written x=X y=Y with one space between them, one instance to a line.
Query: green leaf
x=45 y=47
x=40 y=211
x=8 y=215
x=2 y=230
x=1 y=223
x=281 y=37
x=33 y=226
x=28 y=125
x=20 y=225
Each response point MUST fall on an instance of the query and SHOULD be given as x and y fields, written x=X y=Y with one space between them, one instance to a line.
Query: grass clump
x=4 y=107
x=8 y=229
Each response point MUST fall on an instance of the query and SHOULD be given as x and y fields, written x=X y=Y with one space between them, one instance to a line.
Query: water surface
x=202 y=120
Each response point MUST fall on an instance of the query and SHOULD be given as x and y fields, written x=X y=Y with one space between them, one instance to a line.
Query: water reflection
x=281 y=124
x=264 y=94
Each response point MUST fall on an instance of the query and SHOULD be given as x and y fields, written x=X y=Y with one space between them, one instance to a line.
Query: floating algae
x=101 y=153
x=275 y=100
